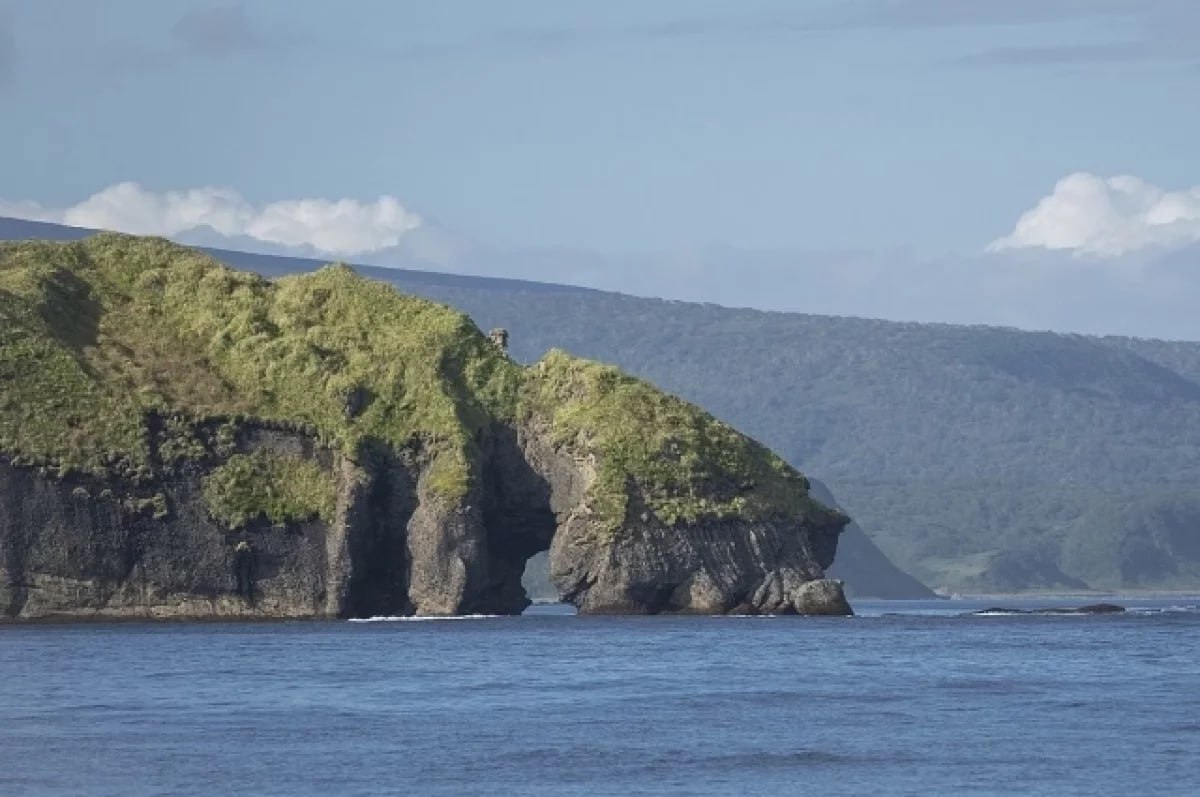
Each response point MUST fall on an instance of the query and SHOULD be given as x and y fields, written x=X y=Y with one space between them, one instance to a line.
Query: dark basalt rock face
x=72 y=548
x=87 y=550
x=710 y=566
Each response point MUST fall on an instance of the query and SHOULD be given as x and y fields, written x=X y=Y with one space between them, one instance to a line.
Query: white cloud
x=1091 y=215
x=344 y=227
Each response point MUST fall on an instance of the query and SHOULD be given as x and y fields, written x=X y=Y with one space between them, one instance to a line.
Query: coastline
x=1150 y=594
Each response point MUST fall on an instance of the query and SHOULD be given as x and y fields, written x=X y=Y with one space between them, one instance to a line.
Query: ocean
x=908 y=698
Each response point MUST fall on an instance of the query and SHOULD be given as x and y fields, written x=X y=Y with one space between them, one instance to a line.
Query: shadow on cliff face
x=517 y=516
x=378 y=582
x=71 y=311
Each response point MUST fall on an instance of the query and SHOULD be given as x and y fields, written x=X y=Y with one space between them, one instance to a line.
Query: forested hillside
x=978 y=458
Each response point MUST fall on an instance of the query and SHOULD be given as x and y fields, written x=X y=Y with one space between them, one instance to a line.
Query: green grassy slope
x=692 y=464
x=97 y=333
x=97 y=336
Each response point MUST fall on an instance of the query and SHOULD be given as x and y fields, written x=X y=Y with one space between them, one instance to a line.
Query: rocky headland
x=178 y=439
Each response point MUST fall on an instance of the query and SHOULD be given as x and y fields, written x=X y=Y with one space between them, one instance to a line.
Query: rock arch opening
x=518 y=519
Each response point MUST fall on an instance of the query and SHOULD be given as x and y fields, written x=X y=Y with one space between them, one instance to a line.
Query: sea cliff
x=178 y=439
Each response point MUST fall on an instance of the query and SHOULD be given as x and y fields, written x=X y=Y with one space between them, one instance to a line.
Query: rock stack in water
x=178 y=439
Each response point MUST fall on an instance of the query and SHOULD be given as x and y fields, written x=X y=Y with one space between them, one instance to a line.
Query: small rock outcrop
x=182 y=440
x=1091 y=608
x=499 y=339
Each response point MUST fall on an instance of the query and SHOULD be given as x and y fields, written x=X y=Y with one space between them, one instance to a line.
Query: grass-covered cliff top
x=98 y=334
x=685 y=462
x=95 y=334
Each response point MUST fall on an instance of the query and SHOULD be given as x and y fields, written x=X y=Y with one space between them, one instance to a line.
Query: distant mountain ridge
x=979 y=458
x=271 y=265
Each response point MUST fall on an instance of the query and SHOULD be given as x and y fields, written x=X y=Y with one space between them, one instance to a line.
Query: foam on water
x=416 y=618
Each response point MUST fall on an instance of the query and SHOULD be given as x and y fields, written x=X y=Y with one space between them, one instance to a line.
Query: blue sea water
x=906 y=698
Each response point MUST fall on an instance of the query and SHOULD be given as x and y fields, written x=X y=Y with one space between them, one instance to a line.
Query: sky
x=1022 y=162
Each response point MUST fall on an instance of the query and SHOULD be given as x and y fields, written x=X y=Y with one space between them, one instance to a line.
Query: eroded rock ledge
x=180 y=440
x=86 y=548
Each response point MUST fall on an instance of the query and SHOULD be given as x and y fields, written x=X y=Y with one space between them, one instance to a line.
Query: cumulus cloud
x=343 y=227
x=1107 y=217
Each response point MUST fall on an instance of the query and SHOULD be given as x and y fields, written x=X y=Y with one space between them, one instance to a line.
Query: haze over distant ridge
x=1098 y=256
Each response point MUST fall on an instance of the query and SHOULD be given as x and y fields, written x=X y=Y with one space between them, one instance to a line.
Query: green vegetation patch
x=110 y=341
x=94 y=335
x=685 y=462
x=282 y=489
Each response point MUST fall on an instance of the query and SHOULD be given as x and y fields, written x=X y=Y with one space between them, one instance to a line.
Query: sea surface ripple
x=906 y=699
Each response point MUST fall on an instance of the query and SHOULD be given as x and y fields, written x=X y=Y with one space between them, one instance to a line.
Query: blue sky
x=624 y=132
